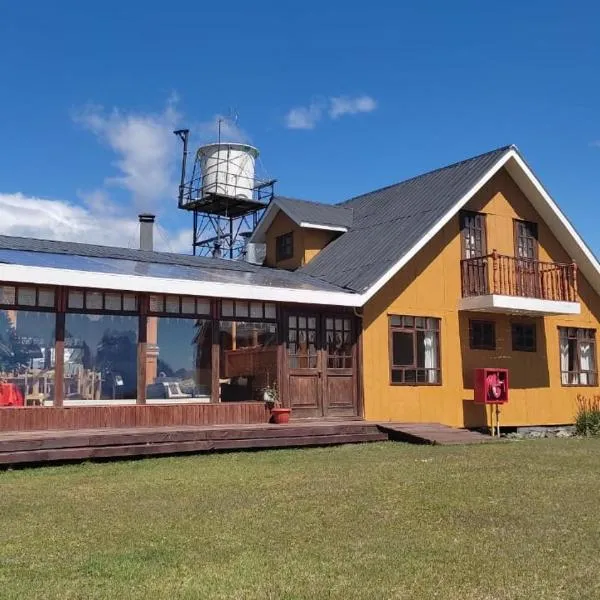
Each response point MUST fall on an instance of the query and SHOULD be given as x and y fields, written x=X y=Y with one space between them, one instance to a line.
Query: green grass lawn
x=388 y=520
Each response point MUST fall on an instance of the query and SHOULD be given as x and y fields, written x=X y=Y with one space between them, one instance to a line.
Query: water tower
x=223 y=195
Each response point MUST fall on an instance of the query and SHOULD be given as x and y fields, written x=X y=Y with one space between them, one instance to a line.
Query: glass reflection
x=248 y=361
x=26 y=358
x=100 y=359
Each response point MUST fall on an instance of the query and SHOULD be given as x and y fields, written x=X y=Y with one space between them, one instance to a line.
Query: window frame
x=473 y=222
x=525 y=231
x=591 y=339
x=521 y=347
x=284 y=246
x=482 y=322
x=392 y=328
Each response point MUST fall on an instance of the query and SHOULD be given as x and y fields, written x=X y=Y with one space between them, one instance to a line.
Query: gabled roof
x=391 y=225
x=306 y=214
x=390 y=221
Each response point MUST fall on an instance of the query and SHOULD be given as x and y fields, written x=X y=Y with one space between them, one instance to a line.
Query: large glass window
x=248 y=360
x=178 y=363
x=578 y=356
x=100 y=359
x=415 y=350
x=27 y=357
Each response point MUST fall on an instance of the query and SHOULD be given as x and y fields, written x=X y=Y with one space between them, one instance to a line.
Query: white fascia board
x=518 y=304
x=159 y=285
x=258 y=236
x=558 y=223
x=325 y=227
x=369 y=293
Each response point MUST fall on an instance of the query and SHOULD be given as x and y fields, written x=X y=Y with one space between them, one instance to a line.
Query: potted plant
x=279 y=414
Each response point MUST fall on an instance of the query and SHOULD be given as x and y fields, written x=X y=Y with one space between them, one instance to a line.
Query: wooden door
x=304 y=364
x=474 y=248
x=339 y=360
x=526 y=253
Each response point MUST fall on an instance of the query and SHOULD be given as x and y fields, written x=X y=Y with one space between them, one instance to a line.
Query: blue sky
x=375 y=93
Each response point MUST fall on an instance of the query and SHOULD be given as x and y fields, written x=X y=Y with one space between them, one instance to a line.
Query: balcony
x=499 y=283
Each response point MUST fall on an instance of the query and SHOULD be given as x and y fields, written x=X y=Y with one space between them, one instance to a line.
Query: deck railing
x=510 y=276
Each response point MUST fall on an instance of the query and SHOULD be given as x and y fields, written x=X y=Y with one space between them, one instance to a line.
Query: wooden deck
x=432 y=433
x=22 y=447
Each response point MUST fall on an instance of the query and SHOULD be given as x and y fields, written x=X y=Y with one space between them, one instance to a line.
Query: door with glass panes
x=320 y=370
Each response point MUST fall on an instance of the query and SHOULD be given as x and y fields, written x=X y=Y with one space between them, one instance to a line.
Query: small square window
x=172 y=304
x=26 y=296
x=523 y=337
x=129 y=302
x=112 y=301
x=93 y=300
x=157 y=303
x=270 y=311
x=227 y=308
x=482 y=335
x=75 y=299
x=202 y=306
x=7 y=294
x=284 y=246
x=188 y=305
x=46 y=297
x=256 y=310
x=241 y=308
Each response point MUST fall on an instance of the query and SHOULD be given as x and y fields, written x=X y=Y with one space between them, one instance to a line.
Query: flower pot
x=280 y=415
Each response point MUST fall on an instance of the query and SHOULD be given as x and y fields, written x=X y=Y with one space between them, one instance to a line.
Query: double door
x=320 y=370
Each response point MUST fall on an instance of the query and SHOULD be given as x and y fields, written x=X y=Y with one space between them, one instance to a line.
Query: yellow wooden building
x=472 y=265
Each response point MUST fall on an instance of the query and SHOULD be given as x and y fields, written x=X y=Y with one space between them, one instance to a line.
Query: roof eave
x=163 y=285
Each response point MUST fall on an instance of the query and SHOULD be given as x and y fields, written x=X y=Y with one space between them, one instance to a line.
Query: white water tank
x=227 y=169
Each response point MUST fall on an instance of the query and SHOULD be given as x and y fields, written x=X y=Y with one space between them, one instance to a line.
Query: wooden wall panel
x=156 y=415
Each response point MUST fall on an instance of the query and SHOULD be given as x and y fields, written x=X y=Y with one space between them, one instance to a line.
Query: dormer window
x=284 y=246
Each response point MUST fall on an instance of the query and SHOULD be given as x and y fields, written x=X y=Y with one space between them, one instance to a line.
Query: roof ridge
x=450 y=166
x=315 y=202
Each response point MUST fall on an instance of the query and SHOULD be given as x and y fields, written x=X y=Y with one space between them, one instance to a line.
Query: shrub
x=587 y=420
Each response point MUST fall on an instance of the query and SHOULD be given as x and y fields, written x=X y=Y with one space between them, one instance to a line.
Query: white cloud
x=27 y=216
x=345 y=105
x=595 y=144
x=145 y=147
x=304 y=117
x=307 y=117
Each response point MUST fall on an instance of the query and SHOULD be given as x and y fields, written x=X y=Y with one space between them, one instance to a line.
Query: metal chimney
x=146 y=231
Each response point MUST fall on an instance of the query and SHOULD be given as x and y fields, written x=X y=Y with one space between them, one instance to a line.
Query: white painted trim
x=160 y=285
x=325 y=227
x=258 y=236
x=517 y=304
x=370 y=292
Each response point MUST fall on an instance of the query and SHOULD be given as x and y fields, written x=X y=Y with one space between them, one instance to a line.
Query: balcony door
x=526 y=252
x=473 y=236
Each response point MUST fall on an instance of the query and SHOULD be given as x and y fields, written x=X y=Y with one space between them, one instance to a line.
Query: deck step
x=432 y=433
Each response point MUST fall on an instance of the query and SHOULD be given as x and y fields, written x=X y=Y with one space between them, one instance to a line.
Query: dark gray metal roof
x=303 y=211
x=108 y=259
x=389 y=222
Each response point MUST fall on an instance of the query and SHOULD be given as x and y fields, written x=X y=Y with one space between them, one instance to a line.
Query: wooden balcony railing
x=510 y=276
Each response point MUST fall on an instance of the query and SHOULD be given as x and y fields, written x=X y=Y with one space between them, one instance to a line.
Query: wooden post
x=142 y=350
x=574 y=281
x=495 y=271
x=59 y=348
x=215 y=387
